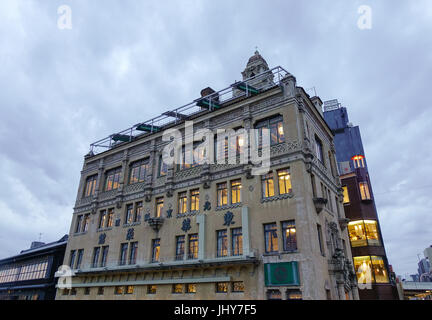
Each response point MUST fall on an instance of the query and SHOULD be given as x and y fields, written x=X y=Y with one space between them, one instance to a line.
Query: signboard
x=281 y=274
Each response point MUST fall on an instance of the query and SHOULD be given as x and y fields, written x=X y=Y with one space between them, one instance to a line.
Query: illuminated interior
x=363 y=233
x=370 y=269
x=358 y=161
x=284 y=178
x=345 y=195
x=364 y=191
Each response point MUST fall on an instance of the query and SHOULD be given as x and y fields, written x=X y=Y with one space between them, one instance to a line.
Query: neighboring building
x=30 y=275
x=145 y=230
x=367 y=245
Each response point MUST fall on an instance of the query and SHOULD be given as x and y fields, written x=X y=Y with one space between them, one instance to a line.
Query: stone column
x=245 y=231
x=341 y=289
x=201 y=220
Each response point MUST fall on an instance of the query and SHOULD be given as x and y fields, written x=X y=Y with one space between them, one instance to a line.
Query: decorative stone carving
x=186 y=225
x=155 y=223
x=130 y=234
x=343 y=222
x=228 y=219
x=207 y=206
x=319 y=204
x=102 y=238
x=169 y=213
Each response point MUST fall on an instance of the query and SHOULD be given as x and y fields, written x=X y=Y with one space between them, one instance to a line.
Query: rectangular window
x=193 y=246
x=182 y=202
x=80 y=257
x=155 y=250
x=86 y=291
x=275 y=125
x=100 y=291
x=112 y=180
x=194 y=200
x=123 y=253
x=95 y=261
x=86 y=223
x=267 y=185
x=370 y=269
x=151 y=289
x=104 y=256
x=236 y=191
x=177 y=288
x=345 y=195
x=71 y=259
x=364 y=191
x=237 y=241
x=289 y=236
x=180 y=247
x=222 y=287
x=159 y=206
x=284 y=179
x=319 y=149
x=222 y=243
x=138 y=171
x=133 y=252
x=90 y=186
x=79 y=223
x=363 y=233
x=163 y=168
x=238 y=286
x=129 y=289
x=129 y=214
x=191 y=288
x=110 y=219
x=119 y=290
x=102 y=219
x=270 y=237
x=222 y=194
x=320 y=239
x=138 y=211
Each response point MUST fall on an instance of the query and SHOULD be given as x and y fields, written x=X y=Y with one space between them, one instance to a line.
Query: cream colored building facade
x=215 y=231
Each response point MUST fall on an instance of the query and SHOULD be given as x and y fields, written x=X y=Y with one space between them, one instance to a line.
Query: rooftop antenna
x=40 y=236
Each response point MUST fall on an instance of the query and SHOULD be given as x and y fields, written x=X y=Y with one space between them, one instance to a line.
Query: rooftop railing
x=208 y=103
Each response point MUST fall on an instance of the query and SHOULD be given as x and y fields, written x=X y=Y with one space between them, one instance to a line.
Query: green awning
x=281 y=274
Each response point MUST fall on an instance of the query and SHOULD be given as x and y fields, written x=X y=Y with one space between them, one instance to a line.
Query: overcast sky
x=126 y=61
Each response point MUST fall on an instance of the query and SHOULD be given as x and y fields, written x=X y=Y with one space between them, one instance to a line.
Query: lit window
x=284 y=179
x=238 y=286
x=363 y=232
x=222 y=243
x=293 y=294
x=159 y=206
x=358 y=161
x=345 y=195
x=191 y=288
x=194 y=200
x=119 y=290
x=182 y=202
x=138 y=211
x=270 y=238
x=90 y=186
x=193 y=246
x=237 y=241
x=275 y=125
x=289 y=235
x=151 y=289
x=155 y=250
x=110 y=218
x=267 y=185
x=112 y=180
x=222 y=287
x=138 y=171
x=236 y=191
x=86 y=223
x=364 y=191
x=130 y=289
x=177 y=288
x=370 y=269
x=222 y=194
x=102 y=219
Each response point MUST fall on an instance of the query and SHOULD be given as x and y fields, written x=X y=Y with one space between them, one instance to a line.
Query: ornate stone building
x=145 y=230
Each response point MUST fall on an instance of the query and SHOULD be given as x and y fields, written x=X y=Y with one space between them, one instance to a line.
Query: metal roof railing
x=209 y=103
